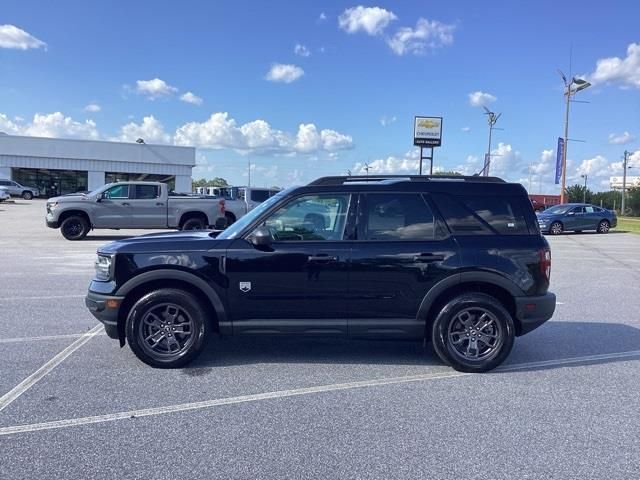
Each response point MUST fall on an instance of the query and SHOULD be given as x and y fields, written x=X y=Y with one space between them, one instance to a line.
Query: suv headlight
x=103 y=267
x=51 y=206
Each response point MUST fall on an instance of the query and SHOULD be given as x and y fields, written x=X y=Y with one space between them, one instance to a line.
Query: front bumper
x=106 y=308
x=51 y=222
x=531 y=312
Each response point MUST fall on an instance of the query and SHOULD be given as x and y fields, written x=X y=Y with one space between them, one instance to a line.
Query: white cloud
x=466 y=129
x=301 y=50
x=92 y=107
x=385 y=121
x=478 y=98
x=284 y=73
x=57 y=125
x=150 y=130
x=322 y=17
x=621 y=139
x=408 y=163
x=155 y=88
x=222 y=131
x=428 y=35
x=623 y=71
x=190 y=97
x=372 y=20
x=7 y=126
x=14 y=37
x=546 y=165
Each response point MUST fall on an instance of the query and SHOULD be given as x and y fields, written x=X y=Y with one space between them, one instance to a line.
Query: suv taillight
x=545 y=262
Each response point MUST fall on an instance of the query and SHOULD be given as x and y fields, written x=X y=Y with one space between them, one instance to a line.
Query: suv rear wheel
x=473 y=333
x=194 y=223
x=167 y=328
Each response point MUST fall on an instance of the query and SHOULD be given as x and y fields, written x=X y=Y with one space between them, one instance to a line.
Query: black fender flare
x=186 y=277
x=464 y=277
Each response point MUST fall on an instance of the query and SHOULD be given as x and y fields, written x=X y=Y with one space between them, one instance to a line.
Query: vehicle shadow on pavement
x=554 y=341
x=106 y=238
x=560 y=340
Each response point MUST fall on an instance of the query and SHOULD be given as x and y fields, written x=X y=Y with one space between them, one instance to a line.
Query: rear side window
x=503 y=214
x=483 y=215
x=398 y=217
x=147 y=192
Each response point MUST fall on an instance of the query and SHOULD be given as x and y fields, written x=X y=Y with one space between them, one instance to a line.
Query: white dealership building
x=58 y=166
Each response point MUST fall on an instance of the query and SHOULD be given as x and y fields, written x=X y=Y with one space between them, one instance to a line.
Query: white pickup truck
x=124 y=205
x=238 y=200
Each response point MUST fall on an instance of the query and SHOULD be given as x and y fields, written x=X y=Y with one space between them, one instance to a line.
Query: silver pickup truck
x=125 y=205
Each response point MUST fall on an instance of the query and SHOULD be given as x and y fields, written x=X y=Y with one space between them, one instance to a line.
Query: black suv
x=459 y=261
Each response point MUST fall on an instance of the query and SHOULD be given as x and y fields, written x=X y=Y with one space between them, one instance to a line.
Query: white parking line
x=49 y=297
x=8 y=398
x=44 y=338
x=74 y=422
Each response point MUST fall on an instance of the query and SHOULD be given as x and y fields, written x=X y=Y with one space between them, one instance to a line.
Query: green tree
x=607 y=200
x=632 y=202
x=448 y=173
x=576 y=194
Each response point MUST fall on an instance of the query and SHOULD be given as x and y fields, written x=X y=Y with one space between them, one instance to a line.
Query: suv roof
x=456 y=185
x=387 y=179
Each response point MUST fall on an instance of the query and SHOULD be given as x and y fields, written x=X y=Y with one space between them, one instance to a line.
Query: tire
x=456 y=325
x=231 y=218
x=556 y=228
x=152 y=324
x=604 y=226
x=194 y=223
x=74 y=227
x=27 y=195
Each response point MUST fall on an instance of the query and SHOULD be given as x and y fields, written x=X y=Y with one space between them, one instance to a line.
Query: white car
x=4 y=194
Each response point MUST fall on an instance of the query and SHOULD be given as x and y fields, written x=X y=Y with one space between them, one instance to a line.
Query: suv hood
x=189 y=240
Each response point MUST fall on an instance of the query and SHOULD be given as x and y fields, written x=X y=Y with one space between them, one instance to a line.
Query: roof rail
x=386 y=179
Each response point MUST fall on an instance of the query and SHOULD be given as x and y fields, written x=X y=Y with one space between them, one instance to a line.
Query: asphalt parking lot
x=565 y=405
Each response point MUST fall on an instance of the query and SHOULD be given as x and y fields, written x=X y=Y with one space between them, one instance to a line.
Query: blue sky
x=198 y=73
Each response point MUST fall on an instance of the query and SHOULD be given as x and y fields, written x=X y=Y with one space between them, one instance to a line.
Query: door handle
x=126 y=204
x=159 y=204
x=322 y=258
x=427 y=258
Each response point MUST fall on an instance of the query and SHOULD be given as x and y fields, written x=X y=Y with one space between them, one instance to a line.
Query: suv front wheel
x=167 y=328
x=473 y=333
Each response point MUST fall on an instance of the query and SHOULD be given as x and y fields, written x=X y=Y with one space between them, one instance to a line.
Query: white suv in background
x=4 y=194
x=18 y=190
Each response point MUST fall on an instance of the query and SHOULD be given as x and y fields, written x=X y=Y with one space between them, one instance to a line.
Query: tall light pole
x=492 y=118
x=584 y=192
x=624 y=179
x=570 y=89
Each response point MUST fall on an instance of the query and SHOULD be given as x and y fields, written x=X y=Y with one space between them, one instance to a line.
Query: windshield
x=558 y=209
x=233 y=231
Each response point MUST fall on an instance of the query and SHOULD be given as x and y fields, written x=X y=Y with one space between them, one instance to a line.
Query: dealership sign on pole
x=427 y=133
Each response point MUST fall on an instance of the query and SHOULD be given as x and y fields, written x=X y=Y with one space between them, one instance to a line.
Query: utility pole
x=367 y=168
x=624 y=181
x=492 y=118
x=577 y=84
x=584 y=192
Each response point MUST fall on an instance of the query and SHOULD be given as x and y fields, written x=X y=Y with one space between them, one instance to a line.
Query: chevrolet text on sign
x=427 y=131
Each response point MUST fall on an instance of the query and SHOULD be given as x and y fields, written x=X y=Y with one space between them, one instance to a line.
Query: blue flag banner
x=559 y=156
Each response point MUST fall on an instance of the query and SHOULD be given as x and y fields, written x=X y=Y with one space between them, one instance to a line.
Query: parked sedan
x=4 y=194
x=576 y=217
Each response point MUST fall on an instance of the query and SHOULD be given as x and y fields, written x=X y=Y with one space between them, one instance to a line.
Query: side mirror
x=99 y=198
x=261 y=237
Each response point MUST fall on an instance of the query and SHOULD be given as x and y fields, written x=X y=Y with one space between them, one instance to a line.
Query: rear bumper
x=531 y=312
x=106 y=309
